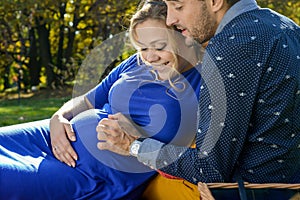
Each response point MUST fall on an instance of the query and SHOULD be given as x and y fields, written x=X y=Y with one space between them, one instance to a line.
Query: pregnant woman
x=157 y=88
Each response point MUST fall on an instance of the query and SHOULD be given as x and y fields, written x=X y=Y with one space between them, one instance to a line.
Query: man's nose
x=171 y=17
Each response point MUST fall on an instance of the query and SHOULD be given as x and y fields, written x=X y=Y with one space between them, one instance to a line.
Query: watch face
x=135 y=148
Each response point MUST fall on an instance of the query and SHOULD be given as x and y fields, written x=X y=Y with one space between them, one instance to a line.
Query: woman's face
x=154 y=46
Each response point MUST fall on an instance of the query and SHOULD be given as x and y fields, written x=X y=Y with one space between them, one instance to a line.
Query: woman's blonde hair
x=156 y=10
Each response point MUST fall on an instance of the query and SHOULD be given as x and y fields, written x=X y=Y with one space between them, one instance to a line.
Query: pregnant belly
x=84 y=126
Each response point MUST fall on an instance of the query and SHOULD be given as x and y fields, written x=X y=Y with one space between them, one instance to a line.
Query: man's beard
x=204 y=30
x=200 y=38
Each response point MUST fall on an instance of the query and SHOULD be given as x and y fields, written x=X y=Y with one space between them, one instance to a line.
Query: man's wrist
x=135 y=146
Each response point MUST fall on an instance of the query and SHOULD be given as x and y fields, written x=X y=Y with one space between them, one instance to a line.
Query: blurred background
x=44 y=42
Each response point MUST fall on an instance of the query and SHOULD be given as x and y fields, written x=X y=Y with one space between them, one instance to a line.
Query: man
x=249 y=110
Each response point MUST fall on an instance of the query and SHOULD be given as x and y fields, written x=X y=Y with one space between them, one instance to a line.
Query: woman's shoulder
x=129 y=63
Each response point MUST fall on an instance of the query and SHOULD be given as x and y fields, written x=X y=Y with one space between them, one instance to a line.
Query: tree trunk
x=34 y=65
x=6 y=77
x=45 y=54
x=60 y=65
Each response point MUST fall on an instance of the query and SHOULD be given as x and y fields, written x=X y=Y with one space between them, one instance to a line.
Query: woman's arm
x=61 y=132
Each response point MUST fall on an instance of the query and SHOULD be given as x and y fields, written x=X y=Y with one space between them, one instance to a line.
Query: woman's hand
x=61 y=133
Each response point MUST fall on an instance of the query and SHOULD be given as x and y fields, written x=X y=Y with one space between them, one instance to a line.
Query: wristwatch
x=135 y=146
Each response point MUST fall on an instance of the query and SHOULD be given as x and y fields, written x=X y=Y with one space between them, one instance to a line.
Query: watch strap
x=141 y=139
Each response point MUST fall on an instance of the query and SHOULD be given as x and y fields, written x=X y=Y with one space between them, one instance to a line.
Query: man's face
x=193 y=18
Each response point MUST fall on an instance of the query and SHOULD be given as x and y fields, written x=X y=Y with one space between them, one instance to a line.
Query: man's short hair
x=231 y=2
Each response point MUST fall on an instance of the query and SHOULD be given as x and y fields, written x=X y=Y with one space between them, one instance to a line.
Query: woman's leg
x=26 y=138
x=28 y=169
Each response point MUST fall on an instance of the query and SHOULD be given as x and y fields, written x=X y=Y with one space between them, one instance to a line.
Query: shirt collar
x=237 y=9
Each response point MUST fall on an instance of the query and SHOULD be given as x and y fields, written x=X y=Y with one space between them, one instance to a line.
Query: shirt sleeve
x=99 y=95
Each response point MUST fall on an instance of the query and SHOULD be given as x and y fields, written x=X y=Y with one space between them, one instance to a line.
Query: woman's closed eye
x=160 y=47
x=157 y=47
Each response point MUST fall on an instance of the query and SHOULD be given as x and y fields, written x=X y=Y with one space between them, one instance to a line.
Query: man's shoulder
x=263 y=21
x=259 y=28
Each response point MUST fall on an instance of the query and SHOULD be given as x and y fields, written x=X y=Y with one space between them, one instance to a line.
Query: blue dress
x=29 y=170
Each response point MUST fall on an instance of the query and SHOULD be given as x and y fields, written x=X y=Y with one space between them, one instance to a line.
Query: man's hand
x=116 y=133
x=61 y=133
x=205 y=193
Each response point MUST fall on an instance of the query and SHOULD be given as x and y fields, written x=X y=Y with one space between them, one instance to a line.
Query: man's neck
x=237 y=9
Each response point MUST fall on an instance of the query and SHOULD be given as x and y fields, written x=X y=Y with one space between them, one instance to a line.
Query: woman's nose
x=151 y=56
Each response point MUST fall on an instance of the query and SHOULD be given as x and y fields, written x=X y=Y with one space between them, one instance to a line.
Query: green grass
x=28 y=109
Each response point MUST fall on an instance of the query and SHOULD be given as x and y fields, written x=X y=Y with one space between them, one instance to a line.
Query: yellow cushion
x=165 y=188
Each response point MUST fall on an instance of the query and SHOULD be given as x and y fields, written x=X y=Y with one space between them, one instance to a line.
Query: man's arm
x=223 y=121
x=153 y=153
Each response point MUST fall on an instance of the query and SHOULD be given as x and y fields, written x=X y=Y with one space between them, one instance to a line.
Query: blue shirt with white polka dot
x=249 y=110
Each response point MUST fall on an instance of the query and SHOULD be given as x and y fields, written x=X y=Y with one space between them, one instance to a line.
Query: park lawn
x=28 y=109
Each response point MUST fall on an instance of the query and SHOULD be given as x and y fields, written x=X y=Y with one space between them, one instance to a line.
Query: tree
x=56 y=35
x=289 y=8
x=50 y=39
